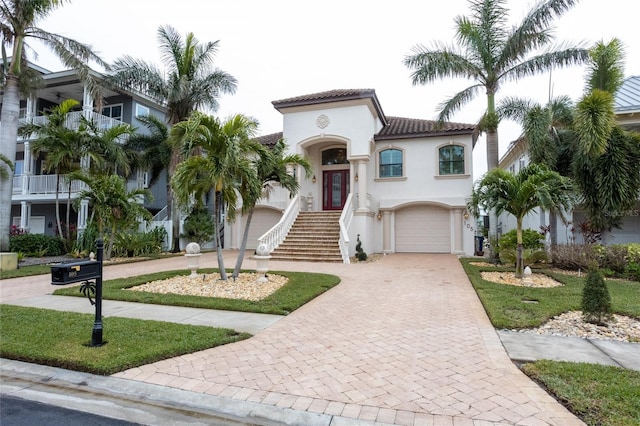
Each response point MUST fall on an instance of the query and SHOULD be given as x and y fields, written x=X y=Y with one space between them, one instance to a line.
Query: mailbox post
x=85 y=271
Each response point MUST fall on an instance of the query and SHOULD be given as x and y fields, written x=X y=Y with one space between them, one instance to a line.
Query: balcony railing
x=44 y=184
x=73 y=120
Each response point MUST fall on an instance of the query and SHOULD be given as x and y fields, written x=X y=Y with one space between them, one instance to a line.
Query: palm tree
x=188 y=83
x=5 y=164
x=493 y=52
x=64 y=148
x=223 y=165
x=532 y=187
x=547 y=133
x=271 y=166
x=18 y=24
x=112 y=204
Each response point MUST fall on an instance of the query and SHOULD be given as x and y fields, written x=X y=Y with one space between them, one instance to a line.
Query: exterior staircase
x=313 y=237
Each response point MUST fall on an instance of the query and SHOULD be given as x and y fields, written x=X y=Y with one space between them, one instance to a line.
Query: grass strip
x=61 y=339
x=301 y=288
x=599 y=395
x=511 y=306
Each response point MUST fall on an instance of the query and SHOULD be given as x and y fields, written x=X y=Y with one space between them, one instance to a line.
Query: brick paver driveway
x=402 y=340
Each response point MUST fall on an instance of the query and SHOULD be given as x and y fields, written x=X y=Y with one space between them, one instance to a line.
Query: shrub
x=573 y=256
x=529 y=256
x=198 y=226
x=530 y=240
x=612 y=257
x=132 y=244
x=36 y=245
x=596 y=301
x=360 y=254
x=632 y=271
x=87 y=241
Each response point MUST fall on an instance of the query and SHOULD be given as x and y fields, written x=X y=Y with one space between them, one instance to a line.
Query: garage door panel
x=423 y=229
x=263 y=220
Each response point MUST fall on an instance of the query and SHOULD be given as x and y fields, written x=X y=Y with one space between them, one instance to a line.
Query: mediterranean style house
x=627 y=108
x=394 y=184
x=398 y=184
x=33 y=199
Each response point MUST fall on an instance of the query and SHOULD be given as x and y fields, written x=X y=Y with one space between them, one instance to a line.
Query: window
x=390 y=161
x=334 y=156
x=113 y=111
x=141 y=110
x=19 y=167
x=521 y=164
x=451 y=160
x=512 y=169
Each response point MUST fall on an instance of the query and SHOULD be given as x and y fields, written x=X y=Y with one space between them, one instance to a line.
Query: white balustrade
x=276 y=235
x=345 y=224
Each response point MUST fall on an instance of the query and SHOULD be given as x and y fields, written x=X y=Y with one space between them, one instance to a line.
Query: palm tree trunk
x=107 y=256
x=243 y=246
x=519 y=250
x=58 y=222
x=216 y=208
x=8 y=138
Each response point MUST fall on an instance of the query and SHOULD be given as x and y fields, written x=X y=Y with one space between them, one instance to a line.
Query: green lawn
x=510 y=306
x=61 y=339
x=599 y=395
x=301 y=288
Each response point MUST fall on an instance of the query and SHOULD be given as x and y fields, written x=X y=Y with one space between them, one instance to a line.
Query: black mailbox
x=73 y=272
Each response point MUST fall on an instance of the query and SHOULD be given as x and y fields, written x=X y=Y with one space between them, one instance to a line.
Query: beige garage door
x=423 y=229
x=263 y=220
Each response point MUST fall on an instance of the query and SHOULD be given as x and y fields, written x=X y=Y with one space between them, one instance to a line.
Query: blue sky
x=282 y=48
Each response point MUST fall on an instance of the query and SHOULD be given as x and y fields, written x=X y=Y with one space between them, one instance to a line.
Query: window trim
x=379 y=151
x=464 y=156
x=138 y=107
x=121 y=105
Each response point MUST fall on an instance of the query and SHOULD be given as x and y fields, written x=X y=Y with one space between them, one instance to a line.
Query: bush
x=529 y=256
x=198 y=226
x=613 y=257
x=596 y=301
x=132 y=244
x=530 y=240
x=36 y=245
x=620 y=260
x=632 y=271
x=360 y=254
x=573 y=256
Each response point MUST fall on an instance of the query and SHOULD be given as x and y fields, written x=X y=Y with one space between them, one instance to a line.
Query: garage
x=423 y=229
x=263 y=220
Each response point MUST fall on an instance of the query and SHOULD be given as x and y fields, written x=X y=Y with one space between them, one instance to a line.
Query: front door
x=335 y=189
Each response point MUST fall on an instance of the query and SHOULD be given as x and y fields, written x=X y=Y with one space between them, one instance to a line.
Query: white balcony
x=44 y=184
x=72 y=121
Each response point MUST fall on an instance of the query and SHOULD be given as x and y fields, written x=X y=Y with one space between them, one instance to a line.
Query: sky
x=282 y=48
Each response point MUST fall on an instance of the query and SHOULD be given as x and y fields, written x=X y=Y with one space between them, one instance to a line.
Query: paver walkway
x=403 y=340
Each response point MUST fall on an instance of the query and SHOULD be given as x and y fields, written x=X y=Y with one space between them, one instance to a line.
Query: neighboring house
x=400 y=183
x=33 y=201
x=627 y=107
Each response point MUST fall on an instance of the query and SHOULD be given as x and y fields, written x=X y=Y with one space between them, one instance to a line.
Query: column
x=83 y=216
x=386 y=231
x=361 y=167
x=457 y=231
x=25 y=215
x=26 y=168
x=87 y=104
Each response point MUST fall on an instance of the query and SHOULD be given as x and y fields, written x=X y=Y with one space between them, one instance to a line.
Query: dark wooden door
x=335 y=189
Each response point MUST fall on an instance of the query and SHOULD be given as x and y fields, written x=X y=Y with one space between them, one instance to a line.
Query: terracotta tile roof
x=336 y=95
x=404 y=128
x=269 y=140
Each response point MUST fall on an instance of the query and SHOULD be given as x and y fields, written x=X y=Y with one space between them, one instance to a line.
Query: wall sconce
x=356 y=178
x=313 y=179
x=466 y=215
x=50 y=225
x=379 y=216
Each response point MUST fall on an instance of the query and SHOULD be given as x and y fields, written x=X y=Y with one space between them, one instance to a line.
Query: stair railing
x=345 y=224
x=276 y=235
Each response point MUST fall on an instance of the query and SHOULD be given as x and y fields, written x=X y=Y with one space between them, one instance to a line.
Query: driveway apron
x=403 y=340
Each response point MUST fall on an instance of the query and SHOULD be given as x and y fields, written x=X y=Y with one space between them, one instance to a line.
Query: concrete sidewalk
x=403 y=340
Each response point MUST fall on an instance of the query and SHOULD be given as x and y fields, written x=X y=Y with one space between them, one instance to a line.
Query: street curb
x=146 y=403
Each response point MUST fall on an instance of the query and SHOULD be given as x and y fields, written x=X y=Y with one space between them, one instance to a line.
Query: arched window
x=390 y=163
x=451 y=160
x=334 y=156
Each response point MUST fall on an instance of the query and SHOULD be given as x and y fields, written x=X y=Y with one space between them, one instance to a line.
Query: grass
x=301 y=288
x=599 y=395
x=61 y=339
x=507 y=305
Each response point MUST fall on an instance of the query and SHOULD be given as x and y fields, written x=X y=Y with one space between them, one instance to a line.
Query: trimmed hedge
x=36 y=245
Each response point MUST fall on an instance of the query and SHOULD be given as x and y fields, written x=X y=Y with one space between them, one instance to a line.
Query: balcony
x=44 y=184
x=73 y=121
